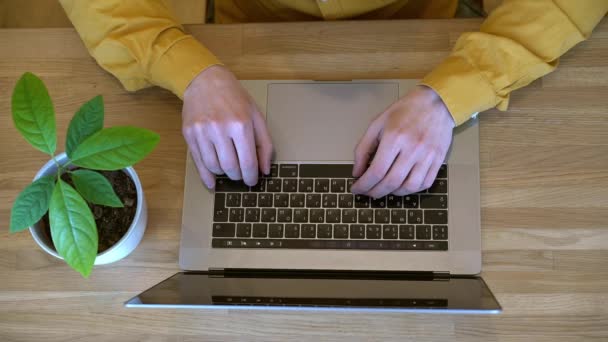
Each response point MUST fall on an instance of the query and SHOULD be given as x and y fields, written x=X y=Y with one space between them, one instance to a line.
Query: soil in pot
x=112 y=223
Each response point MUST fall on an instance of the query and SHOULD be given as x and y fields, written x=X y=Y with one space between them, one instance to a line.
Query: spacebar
x=331 y=244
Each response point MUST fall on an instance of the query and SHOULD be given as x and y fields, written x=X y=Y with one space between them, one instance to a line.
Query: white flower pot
x=124 y=246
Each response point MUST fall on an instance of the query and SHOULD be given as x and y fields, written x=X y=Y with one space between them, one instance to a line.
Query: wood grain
x=543 y=176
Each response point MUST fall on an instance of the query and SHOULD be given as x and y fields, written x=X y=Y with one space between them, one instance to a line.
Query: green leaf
x=33 y=113
x=31 y=204
x=88 y=120
x=115 y=148
x=73 y=228
x=95 y=188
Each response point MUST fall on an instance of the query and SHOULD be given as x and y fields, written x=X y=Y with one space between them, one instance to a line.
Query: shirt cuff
x=180 y=64
x=463 y=89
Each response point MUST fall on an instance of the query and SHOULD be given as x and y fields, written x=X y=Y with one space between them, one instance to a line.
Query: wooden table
x=544 y=181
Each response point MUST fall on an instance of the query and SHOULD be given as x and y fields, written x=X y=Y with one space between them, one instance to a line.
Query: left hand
x=412 y=138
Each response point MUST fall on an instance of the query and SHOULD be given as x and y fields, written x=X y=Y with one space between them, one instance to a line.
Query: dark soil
x=112 y=223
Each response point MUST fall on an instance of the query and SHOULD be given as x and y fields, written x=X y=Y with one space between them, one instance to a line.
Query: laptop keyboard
x=310 y=206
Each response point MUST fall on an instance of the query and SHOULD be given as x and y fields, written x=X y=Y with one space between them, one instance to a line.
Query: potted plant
x=86 y=205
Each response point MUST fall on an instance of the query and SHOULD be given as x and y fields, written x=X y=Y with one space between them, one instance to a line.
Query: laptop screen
x=200 y=290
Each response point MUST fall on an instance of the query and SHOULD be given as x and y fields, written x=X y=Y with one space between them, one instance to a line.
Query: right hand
x=224 y=129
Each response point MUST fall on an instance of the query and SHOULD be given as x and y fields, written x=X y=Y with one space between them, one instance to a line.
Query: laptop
x=300 y=239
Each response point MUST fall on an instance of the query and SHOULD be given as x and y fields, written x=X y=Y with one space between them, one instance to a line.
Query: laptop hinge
x=327 y=274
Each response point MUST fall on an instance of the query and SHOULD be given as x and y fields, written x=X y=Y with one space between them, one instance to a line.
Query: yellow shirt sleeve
x=518 y=43
x=140 y=42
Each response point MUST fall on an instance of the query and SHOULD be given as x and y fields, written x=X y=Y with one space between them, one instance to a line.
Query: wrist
x=436 y=103
x=207 y=75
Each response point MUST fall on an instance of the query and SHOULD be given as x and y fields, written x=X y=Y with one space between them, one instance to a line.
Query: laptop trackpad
x=323 y=121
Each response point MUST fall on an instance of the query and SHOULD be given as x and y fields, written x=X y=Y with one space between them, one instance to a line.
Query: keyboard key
x=349 y=184
x=366 y=216
x=406 y=232
x=435 y=245
x=390 y=231
x=233 y=200
x=274 y=170
x=382 y=216
x=313 y=200
x=288 y=170
x=436 y=216
x=357 y=231
x=260 y=230
x=292 y=231
x=281 y=200
x=349 y=216
x=324 y=231
x=321 y=185
x=439 y=187
x=379 y=202
x=440 y=232
x=414 y=216
x=340 y=231
x=345 y=200
x=374 y=231
x=223 y=229
x=273 y=185
x=243 y=230
x=275 y=230
x=250 y=200
x=305 y=185
x=398 y=216
x=284 y=215
x=432 y=201
x=394 y=201
x=361 y=201
x=326 y=170
x=330 y=200
x=269 y=215
x=332 y=216
x=265 y=200
x=260 y=186
x=410 y=201
x=252 y=215
x=338 y=185
x=228 y=185
x=290 y=185
x=309 y=231
x=317 y=215
x=423 y=232
x=443 y=171
x=220 y=213
x=297 y=200
x=300 y=215
x=237 y=214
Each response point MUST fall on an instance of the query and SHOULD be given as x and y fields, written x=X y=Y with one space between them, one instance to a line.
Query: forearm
x=140 y=42
x=518 y=43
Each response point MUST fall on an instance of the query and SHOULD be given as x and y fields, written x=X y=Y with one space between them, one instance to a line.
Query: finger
x=207 y=177
x=263 y=142
x=432 y=174
x=208 y=154
x=383 y=160
x=244 y=144
x=228 y=158
x=365 y=148
x=395 y=176
x=413 y=181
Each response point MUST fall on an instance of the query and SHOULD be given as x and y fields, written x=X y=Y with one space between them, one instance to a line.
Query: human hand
x=224 y=129
x=412 y=138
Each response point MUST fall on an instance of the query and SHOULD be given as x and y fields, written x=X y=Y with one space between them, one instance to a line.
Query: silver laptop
x=300 y=239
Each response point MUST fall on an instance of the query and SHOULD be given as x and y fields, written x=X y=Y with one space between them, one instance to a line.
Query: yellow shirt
x=141 y=43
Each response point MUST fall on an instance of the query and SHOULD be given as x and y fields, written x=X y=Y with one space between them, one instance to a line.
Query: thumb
x=263 y=142
x=366 y=147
